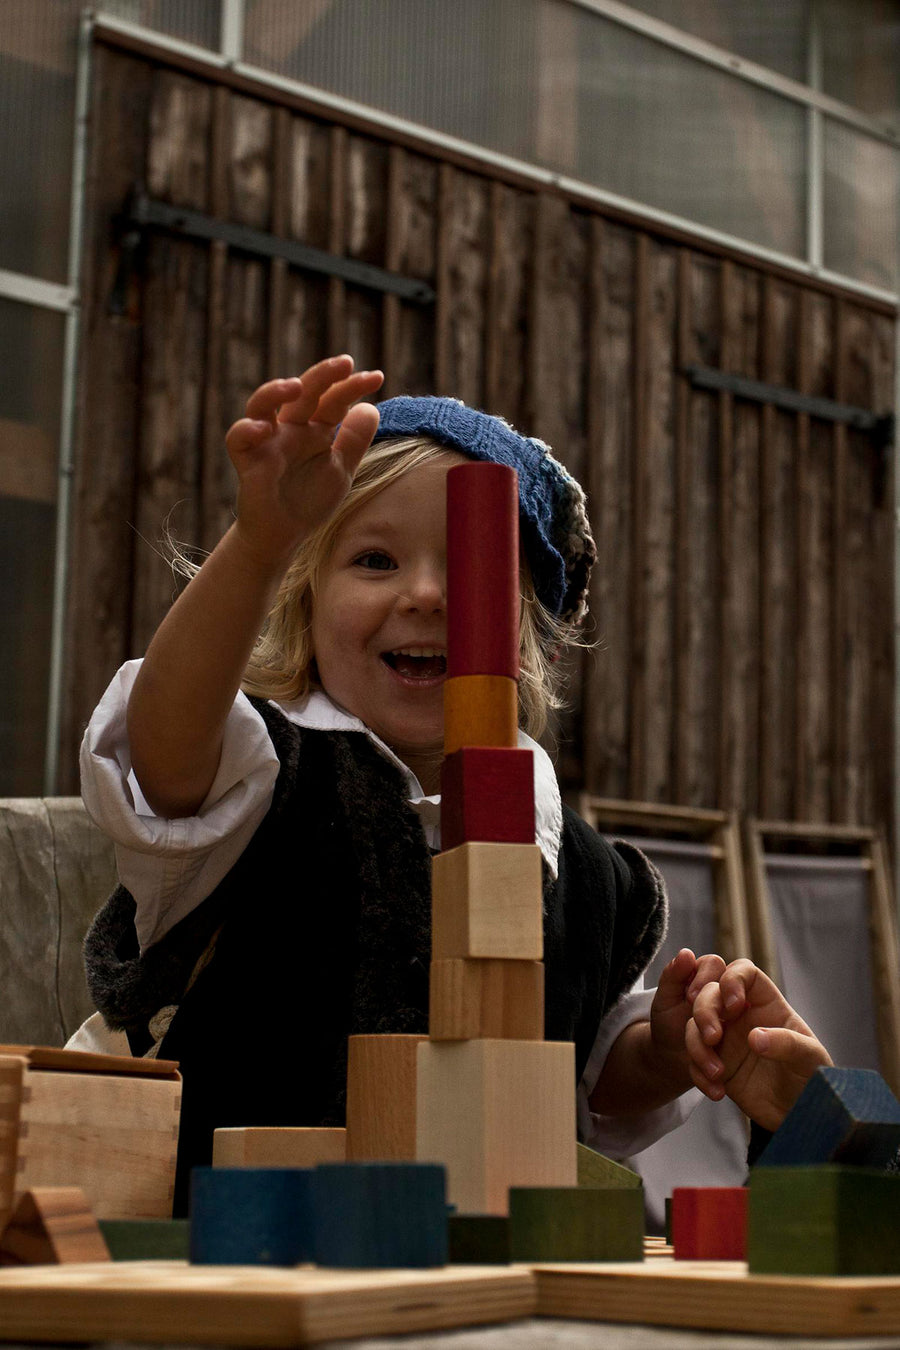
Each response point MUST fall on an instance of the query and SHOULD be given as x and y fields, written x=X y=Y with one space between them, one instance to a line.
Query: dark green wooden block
x=554 y=1223
x=478 y=1239
x=827 y=1220
x=596 y=1170
x=147 y=1239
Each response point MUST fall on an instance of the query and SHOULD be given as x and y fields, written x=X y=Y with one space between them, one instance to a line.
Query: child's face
x=379 y=623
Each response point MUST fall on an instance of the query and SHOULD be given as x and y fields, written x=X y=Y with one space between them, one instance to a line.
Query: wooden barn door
x=742 y=600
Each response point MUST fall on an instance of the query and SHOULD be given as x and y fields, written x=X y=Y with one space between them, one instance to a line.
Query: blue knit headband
x=556 y=534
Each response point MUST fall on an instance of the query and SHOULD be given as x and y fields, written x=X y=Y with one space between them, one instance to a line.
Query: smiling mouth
x=424 y=663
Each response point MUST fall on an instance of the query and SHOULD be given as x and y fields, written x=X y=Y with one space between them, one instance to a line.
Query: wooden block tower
x=495 y=1102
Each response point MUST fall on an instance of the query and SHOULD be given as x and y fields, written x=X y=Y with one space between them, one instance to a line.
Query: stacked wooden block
x=495 y=1102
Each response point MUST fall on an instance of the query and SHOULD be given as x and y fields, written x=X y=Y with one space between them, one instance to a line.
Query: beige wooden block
x=497 y=1114
x=277 y=1146
x=493 y=999
x=487 y=901
x=106 y=1125
x=52 y=1225
x=381 y=1098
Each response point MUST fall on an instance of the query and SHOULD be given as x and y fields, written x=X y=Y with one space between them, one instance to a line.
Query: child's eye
x=375 y=561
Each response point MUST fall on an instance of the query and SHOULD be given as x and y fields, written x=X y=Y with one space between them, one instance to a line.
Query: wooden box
x=106 y=1124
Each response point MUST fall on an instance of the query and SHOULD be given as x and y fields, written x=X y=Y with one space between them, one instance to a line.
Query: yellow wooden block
x=106 y=1124
x=487 y=901
x=381 y=1098
x=480 y=710
x=277 y=1146
x=497 y=1114
x=495 y=999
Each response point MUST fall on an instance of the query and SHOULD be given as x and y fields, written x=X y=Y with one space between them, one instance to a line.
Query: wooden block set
x=486 y=1053
x=820 y=1200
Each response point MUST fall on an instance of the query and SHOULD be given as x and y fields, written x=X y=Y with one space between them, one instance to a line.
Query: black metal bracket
x=144 y=213
x=880 y=426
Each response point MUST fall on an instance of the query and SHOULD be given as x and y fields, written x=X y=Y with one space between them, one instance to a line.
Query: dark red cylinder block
x=482 y=570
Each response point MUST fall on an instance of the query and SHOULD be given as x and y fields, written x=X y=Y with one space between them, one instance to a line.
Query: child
x=273 y=844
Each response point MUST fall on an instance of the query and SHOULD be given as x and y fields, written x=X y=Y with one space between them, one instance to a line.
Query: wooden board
x=169 y=1301
x=720 y=1296
x=160 y=1301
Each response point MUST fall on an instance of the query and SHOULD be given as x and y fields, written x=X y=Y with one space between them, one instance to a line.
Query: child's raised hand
x=679 y=983
x=745 y=1041
x=293 y=469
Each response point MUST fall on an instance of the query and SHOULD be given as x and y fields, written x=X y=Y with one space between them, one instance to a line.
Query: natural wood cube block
x=487 y=794
x=709 y=1223
x=381 y=1098
x=52 y=1225
x=105 y=1123
x=480 y=710
x=486 y=900
x=486 y=999
x=277 y=1146
x=497 y=1114
x=828 y=1220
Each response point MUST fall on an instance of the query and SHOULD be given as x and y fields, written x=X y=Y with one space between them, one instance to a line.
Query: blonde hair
x=282 y=665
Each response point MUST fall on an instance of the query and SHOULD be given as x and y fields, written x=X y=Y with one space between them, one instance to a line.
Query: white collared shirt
x=171 y=866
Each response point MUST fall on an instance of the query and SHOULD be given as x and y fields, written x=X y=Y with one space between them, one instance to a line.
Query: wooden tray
x=720 y=1296
x=170 y=1301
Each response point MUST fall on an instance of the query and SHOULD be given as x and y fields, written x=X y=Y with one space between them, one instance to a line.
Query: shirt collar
x=319 y=713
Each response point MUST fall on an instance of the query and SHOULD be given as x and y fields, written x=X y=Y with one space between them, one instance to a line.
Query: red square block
x=487 y=796
x=709 y=1223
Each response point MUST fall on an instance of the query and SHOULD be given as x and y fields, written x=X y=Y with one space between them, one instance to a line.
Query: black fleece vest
x=324 y=931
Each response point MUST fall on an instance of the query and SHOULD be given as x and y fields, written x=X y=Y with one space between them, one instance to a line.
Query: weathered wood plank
x=305 y=327
x=109 y=410
x=462 y=285
x=506 y=356
x=778 y=559
x=658 y=522
x=609 y=488
x=412 y=370
x=815 y=574
x=701 y=578
x=739 y=788
x=366 y=212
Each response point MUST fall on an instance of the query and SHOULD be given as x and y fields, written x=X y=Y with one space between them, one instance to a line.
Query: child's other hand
x=679 y=984
x=293 y=470
x=747 y=1042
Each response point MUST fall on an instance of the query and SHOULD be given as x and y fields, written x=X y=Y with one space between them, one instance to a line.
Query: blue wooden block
x=842 y=1115
x=259 y=1216
x=380 y=1214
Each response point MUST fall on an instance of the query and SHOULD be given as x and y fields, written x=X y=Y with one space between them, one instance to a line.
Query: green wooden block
x=478 y=1239
x=827 y=1220
x=146 y=1239
x=596 y=1170
x=556 y=1223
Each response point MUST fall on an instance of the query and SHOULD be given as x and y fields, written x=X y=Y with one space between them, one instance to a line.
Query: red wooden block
x=487 y=795
x=709 y=1223
x=482 y=570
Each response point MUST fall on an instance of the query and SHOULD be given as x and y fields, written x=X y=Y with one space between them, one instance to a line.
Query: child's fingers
x=673 y=977
x=313 y=384
x=708 y=1014
x=709 y=968
x=355 y=435
x=246 y=435
x=705 y=1066
x=268 y=398
x=336 y=402
x=801 y=1054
